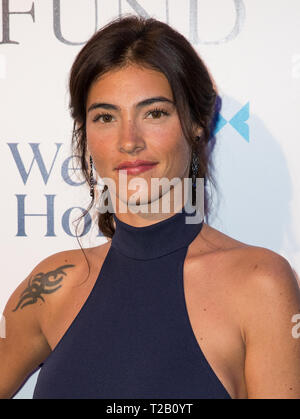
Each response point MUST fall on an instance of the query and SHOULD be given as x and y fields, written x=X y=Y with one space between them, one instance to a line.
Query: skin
x=134 y=132
x=240 y=298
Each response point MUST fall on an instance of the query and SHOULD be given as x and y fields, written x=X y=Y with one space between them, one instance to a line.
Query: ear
x=198 y=131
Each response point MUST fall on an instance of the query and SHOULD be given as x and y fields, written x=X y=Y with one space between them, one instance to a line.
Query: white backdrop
x=252 y=48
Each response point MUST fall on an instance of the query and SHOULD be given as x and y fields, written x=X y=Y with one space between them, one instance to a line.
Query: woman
x=165 y=308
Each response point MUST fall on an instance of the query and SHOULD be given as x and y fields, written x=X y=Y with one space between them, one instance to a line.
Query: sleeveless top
x=132 y=338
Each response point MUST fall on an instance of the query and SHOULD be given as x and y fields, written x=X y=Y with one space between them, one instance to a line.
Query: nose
x=130 y=138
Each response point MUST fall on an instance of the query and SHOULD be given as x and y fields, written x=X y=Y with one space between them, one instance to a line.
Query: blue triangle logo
x=219 y=124
x=239 y=122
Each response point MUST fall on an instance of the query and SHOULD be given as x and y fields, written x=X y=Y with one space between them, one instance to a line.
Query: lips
x=136 y=163
x=136 y=167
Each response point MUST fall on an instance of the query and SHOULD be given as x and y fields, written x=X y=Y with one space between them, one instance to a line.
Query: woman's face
x=131 y=116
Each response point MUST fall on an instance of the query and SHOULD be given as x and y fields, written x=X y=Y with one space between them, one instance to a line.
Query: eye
x=106 y=117
x=157 y=112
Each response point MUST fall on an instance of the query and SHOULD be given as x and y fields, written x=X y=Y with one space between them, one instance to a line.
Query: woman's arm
x=25 y=347
x=270 y=299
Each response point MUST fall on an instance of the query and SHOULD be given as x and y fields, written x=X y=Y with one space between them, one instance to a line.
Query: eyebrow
x=141 y=104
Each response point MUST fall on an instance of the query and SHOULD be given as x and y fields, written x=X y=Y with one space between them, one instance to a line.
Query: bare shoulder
x=256 y=261
x=47 y=291
x=264 y=270
x=52 y=274
x=253 y=274
x=269 y=283
x=33 y=305
x=267 y=302
x=265 y=290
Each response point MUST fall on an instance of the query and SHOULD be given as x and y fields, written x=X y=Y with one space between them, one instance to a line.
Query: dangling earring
x=92 y=180
x=195 y=168
x=195 y=165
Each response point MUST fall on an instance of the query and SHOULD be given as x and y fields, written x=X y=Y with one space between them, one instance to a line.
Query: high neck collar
x=157 y=239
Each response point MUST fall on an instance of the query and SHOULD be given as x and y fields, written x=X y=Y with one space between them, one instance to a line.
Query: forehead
x=130 y=81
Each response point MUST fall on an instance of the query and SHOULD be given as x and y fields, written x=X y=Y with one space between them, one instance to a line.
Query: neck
x=164 y=207
x=158 y=239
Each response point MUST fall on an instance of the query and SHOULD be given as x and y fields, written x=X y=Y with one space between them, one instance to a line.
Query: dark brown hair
x=152 y=44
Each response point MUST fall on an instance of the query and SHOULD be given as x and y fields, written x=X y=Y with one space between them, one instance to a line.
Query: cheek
x=92 y=139
x=178 y=148
x=181 y=153
x=183 y=156
x=169 y=138
x=99 y=150
x=97 y=145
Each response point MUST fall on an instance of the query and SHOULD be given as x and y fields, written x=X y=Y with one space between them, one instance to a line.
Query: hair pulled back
x=152 y=44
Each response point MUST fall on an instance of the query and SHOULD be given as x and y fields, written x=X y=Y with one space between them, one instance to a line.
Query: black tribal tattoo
x=41 y=284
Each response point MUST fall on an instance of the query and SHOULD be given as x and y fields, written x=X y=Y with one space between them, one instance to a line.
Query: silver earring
x=92 y=180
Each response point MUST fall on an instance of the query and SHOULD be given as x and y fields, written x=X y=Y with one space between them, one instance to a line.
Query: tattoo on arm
x=42 y=283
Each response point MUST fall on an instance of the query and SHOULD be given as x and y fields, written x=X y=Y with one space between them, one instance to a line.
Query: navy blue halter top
x=132 y=337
